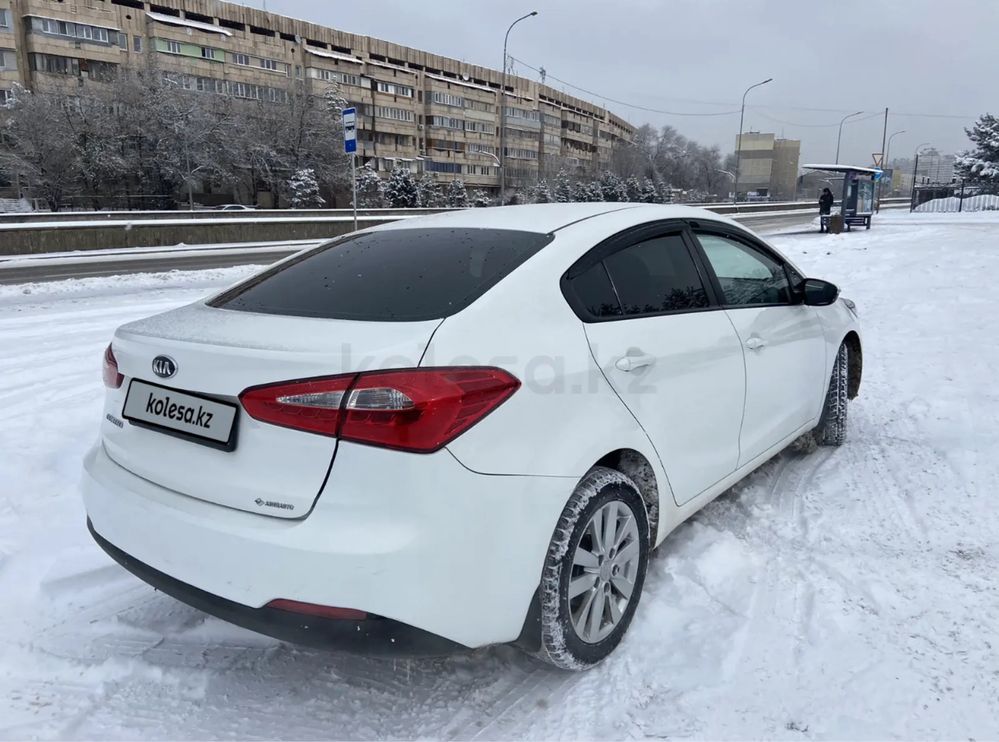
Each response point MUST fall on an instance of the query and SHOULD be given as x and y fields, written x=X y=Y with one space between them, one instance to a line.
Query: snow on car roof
x=548 y=217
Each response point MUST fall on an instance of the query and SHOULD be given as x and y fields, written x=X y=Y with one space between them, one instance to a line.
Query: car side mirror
x=819 y=293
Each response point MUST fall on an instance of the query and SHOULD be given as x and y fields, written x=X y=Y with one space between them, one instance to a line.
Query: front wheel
x=594 y=571
x=831 y=430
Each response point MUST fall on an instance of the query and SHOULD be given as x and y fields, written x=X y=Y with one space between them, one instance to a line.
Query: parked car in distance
x=237 y=207
x=462 y=429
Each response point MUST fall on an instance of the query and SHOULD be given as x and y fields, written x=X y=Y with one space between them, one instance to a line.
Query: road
x=143 y=260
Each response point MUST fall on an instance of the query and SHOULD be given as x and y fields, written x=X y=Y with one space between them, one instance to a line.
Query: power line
x=756 y=108
x=637 y=107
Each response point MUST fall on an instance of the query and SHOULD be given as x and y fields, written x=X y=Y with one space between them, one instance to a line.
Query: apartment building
x=768 y=165
x=416 y=109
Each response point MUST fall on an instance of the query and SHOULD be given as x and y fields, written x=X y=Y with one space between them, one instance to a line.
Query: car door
x=661 y=340
x=782 y=338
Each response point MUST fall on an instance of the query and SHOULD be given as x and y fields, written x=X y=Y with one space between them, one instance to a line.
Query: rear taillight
x=112 y=379
x=419 y=410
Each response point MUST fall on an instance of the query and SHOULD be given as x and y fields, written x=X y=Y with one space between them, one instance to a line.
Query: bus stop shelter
x=857 y=200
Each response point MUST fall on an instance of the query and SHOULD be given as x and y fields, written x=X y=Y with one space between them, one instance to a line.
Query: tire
x=831 y=430
x=578 y=632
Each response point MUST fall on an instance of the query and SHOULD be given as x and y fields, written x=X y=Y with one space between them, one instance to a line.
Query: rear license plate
x=182 y=414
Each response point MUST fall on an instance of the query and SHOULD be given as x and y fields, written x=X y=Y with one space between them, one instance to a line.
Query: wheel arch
x=856 y=363
x=634 y=465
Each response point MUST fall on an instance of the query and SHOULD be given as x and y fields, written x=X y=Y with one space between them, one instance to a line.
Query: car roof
x=545 y=218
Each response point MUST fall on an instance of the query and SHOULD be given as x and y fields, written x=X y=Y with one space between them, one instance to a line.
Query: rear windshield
x=392 y=275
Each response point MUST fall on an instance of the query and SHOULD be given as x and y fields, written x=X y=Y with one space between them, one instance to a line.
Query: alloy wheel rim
x=604 y=568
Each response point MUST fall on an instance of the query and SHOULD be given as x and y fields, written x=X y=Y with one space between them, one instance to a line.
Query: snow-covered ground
x=850 y=593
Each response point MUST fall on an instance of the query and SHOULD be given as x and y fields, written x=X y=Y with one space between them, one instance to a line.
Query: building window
x=447 y=99
x=173 y=47
x=477 y=105
x=335 y=76
x=55 y=65
x=484 y=148
x=5 y=97
x=242 y=59
x=480 y=127
x=517 y=153
x=74 y=30
x=8 y=60
x=394 y=89
x=208 y=53
x=136 y=43
x=443 y=167
x=269 y=64
x=446 y=122
x=397 y=114
x=4 y=20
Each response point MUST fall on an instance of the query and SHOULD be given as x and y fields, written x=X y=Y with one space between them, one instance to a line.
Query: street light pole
x=502 y=142
x=840 y=135
x=886 y=161
x=915 y=170
x=738 y=146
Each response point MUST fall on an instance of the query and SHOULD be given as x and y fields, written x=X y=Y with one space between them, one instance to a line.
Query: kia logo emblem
x=164 y=366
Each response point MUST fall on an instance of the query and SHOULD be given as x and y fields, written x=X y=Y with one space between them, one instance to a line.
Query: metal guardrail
x=27 y=234
x=31 y=217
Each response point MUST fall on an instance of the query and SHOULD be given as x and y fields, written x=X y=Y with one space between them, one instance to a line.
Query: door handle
x=756 y=343
x=631 y=363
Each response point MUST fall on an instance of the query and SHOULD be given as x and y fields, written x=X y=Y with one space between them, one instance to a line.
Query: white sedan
x=463 y=429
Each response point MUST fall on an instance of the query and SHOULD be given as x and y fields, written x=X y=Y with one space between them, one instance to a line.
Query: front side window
x=747 y=275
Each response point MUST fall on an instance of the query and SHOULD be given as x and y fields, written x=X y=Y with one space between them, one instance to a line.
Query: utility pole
x=884 y=140
x=502 y=101
x=738 y=146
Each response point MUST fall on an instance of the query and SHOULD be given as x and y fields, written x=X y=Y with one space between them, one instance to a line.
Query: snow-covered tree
x=400 y=190
x=581 y=191
x=981 y=164
x=634 y=189
x=303 y=190
x=562 y=190
x=612 y=188
x=649 y=194
x=480 y=199
x=541 y=193
x=428 y=193
x=370 y=189
x=456 y=196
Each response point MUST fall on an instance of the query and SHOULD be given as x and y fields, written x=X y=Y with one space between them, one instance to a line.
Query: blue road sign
x=350 y=130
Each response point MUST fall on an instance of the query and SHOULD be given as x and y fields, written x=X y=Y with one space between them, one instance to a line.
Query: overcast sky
x=936 y=58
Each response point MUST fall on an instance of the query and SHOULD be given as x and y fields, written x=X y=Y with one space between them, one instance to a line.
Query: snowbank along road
x=848 y=593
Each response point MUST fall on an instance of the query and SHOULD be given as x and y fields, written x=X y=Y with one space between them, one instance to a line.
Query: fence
x=956 y=197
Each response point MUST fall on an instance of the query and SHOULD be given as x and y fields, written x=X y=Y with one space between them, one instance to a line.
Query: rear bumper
x=372 y=636
x=418 y=540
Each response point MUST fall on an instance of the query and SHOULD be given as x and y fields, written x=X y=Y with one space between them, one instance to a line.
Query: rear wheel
x=831 y=430
x=594 y=571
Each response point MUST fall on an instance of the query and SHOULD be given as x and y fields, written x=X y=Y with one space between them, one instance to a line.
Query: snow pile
x=850 y=593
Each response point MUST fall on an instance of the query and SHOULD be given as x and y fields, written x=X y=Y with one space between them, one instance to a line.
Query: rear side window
x=393 y=275
x=593 y=287
x=656 y=275
x=653 y=276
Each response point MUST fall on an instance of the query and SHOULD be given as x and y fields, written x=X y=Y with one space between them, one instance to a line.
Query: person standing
x=826 y=201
